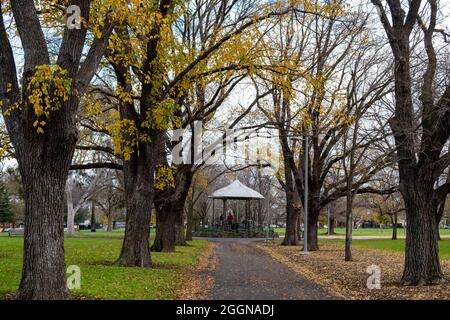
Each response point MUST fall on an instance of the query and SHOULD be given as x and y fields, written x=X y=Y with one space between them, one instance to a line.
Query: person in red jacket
x=230 y=218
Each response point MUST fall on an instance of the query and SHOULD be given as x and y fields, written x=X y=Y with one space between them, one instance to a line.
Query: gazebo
x=235 y=191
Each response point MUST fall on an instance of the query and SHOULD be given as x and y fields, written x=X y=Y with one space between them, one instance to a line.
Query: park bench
x=18 y=232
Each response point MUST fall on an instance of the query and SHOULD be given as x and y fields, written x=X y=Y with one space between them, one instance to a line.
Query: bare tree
x=419 y=137
x=110 y=200
x=88 y=194
x=336 y=76
x=391 y=206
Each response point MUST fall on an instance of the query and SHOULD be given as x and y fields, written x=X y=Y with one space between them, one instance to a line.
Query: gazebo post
x=214 y=212
x=224 y=209
x=246 y=214
x=260 y=212
x=251 y=214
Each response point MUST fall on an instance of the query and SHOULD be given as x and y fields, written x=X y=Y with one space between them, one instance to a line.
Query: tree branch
x=96 y=148
x=99 y=165
x=89 y=66
x=206 y=53
x=73 y=42
x=31 y=34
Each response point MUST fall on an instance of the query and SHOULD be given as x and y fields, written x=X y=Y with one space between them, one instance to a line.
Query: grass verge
x=100 y=279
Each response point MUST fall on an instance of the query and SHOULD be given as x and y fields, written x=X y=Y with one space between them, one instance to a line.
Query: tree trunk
x=291 y=234
x=440 y=214
x=93 y=219
x=189 y=231
x=138 y=200
x=190 y=221
x=110 y=223
x=292 y=213
x=165 y=229
x=348 y=226
x=169 y=205
x=71 y=222
x=70 y=212
x=331 y=226
x=438 y=234
x=180 y=236
x=313 y=220
x=394 y=226
x=422 y=264
x=43 y=271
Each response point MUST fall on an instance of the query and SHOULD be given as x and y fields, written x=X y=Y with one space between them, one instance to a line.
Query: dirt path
x=245 y=272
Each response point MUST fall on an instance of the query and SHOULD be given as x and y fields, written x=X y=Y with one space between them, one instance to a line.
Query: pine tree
x=6 y=213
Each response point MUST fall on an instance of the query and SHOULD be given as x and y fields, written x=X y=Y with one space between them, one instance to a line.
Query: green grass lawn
x=375 y=232
x=281 y=231
x=399 y=245
x=393 y=245
x=100 y=279
x=116 y=234
x=364 y=232
x=100 y=234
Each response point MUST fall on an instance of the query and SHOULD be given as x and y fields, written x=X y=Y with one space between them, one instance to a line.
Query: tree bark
x=70 y=212
x=313 y=220
x=291 y=233
x=292 y=213
x=439 y=215
x=138 y=201
x=93 y=218
x=43 y=273
x=110 y=223
x=348 y=226
x=165 y=229
x=180 y=235
x=190 y=221
x=422 y=254
x=136 y=248
x=169 y=204
x=331 y=226
x=394 y=226
x=169 y=226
